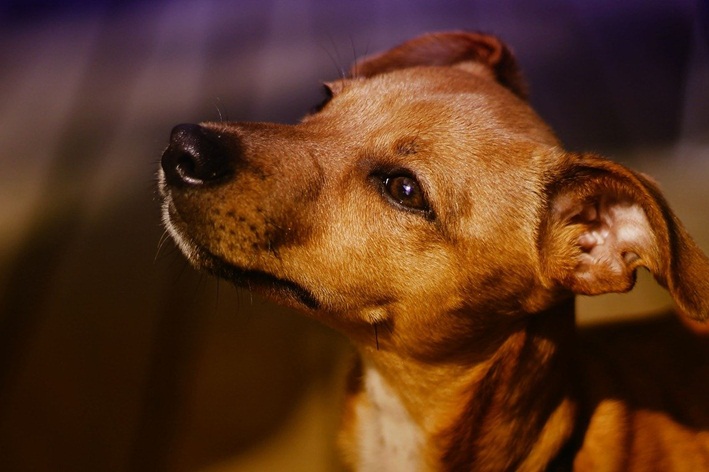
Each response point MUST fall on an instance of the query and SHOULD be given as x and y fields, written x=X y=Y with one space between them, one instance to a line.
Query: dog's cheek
x=287 y=225
x=388 y=264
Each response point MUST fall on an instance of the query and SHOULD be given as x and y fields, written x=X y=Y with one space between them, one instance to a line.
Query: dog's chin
x=272 y=287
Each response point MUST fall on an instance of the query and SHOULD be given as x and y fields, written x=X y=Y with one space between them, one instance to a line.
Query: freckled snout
x=197 y=157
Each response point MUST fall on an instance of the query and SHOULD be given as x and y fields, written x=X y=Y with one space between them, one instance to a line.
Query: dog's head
x=424 y=196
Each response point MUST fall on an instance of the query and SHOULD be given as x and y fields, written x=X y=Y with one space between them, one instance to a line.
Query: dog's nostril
x=196 y=156
x=185 y=168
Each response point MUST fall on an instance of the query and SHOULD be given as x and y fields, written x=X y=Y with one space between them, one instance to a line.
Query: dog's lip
x=258 y=279
x=252 y=278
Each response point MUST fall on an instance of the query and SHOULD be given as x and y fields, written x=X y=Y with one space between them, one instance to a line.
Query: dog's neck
x=511 y=410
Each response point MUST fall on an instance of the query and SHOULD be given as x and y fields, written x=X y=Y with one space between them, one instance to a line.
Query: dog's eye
x=406 y=191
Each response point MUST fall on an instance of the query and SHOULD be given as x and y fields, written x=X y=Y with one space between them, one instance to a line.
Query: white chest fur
x=389 y=439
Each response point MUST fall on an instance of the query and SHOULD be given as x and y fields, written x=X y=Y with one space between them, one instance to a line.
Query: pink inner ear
x=616 y=234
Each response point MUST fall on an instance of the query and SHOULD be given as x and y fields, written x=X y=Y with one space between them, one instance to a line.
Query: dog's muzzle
x=200 y=158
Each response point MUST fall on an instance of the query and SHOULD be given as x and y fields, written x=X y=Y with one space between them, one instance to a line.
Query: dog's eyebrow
x=406 y=146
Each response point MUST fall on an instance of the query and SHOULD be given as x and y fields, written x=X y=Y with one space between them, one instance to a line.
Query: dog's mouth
x=271 y=286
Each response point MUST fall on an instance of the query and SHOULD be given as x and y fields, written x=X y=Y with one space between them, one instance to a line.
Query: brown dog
x=430 y=215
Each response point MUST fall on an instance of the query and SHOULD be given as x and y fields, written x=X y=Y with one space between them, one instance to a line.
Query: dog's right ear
x=475 y=52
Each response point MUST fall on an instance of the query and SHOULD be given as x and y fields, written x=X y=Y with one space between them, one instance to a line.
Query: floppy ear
x=603 y=221
x=475 y=52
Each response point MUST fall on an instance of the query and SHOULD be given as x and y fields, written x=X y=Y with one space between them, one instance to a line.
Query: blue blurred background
x=115 y=357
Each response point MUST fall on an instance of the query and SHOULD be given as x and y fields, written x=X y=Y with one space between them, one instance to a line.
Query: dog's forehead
x=433 y=92
x=437 y=101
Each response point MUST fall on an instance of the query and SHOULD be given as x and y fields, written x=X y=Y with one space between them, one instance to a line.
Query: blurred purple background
x=114 y=359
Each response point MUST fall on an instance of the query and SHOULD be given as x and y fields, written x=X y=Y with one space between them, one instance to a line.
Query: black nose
x=195 y=157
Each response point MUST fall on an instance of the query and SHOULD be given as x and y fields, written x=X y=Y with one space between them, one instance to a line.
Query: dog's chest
x=389 y=439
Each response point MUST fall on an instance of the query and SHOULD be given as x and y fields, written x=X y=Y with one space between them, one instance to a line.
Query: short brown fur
x=428 y=213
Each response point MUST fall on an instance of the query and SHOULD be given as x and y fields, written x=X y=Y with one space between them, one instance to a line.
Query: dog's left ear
x=476 y=52
x=603 y=221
